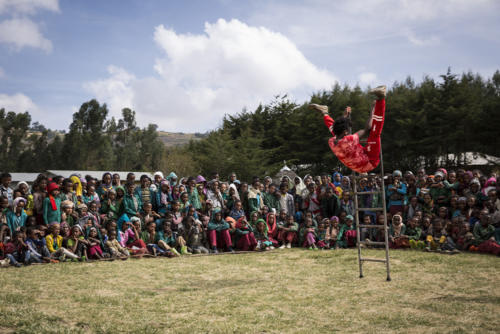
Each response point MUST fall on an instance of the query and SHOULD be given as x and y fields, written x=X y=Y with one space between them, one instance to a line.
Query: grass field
x=283 y=291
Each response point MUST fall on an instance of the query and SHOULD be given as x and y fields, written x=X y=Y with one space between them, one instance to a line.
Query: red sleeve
x=329 y=123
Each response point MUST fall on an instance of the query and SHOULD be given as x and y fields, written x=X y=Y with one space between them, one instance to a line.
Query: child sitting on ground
x=54 y=244
x=17 y=251
x=77 y=244
x=308 y=235
x=218 y=233
x=129 y=237
x=94 y=246
x=37 y=245
x=116 y=250
x=333 y=232
x=397 y=233
x=166 y=239
x=347 y=233
x=260 y=233
x=196 y=237
x=150 y=239
x=484 y=236
x=437 y=238
x=414 y=233
x=322 y=230
x=287 y=233
x=244 y=236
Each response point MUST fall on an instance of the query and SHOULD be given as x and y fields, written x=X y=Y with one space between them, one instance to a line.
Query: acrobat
x=346 y=146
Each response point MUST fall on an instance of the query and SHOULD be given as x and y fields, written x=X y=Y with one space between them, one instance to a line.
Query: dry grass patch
x=291 y=291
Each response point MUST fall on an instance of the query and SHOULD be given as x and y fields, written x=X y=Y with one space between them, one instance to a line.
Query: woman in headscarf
x=172 y=178
x=232 y=196
x=106 y=185
x=337 y=179
x=162 y=198
x=157 y=178
x=77 y=187
x=397 y=233
x=17 y=217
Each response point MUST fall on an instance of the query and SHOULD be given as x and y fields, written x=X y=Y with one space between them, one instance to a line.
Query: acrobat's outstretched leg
x=372 y=147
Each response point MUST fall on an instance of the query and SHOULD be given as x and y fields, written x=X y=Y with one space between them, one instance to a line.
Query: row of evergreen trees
x=93 y=142
x=424 y=121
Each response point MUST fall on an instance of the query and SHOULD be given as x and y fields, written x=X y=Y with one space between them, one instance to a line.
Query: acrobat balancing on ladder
x=346 y=146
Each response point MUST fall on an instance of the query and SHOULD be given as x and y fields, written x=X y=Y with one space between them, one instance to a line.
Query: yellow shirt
x=51 y=245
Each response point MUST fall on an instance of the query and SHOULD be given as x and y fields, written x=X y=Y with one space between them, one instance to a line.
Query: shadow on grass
x=205 y=285
x=483 y=299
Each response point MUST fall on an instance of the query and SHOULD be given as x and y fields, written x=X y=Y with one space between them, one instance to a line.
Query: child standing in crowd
x=131 y=203
x=110 y=206
x=52 y=205
x=396 y=194
x=17 y=217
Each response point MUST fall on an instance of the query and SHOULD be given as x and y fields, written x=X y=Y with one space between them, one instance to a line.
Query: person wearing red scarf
x=52 y=205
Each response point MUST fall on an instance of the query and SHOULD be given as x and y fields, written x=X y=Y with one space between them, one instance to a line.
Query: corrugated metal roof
x=26 y=177
x=473 y=159
x=96 y=174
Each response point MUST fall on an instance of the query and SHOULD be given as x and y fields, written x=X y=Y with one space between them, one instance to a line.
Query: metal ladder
x=357 y=210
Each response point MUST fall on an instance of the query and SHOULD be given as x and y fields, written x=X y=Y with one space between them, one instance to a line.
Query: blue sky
x=184 y=64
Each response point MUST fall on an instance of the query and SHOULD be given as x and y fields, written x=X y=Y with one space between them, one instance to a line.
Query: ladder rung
x=372 y=226
x=367 y=192
x=372 y=243
x=370 y=209
x=372 y=260
x=358 y=176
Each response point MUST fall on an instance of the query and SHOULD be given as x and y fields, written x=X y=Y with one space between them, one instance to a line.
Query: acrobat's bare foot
x=323 y=109
x=379 y=92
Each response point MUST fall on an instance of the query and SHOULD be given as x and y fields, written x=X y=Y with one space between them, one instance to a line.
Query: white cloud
x=202 y=77
x=18 y=103
x=20 y=30
x=325 y=23
x=29 y=7
x=23 y=32
x=412 y=38
x=367 y=78
x=116 y=90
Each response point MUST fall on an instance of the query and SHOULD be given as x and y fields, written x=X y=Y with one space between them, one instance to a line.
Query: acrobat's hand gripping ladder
x=374 y=226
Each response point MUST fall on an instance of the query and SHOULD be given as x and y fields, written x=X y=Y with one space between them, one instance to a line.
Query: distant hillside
x=178 y=138
x=168 y=138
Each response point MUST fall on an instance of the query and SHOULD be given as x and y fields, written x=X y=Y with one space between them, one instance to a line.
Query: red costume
x=348 y=149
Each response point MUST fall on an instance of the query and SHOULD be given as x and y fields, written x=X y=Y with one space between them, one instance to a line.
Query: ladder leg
x=386 y=233
x=356 y=217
